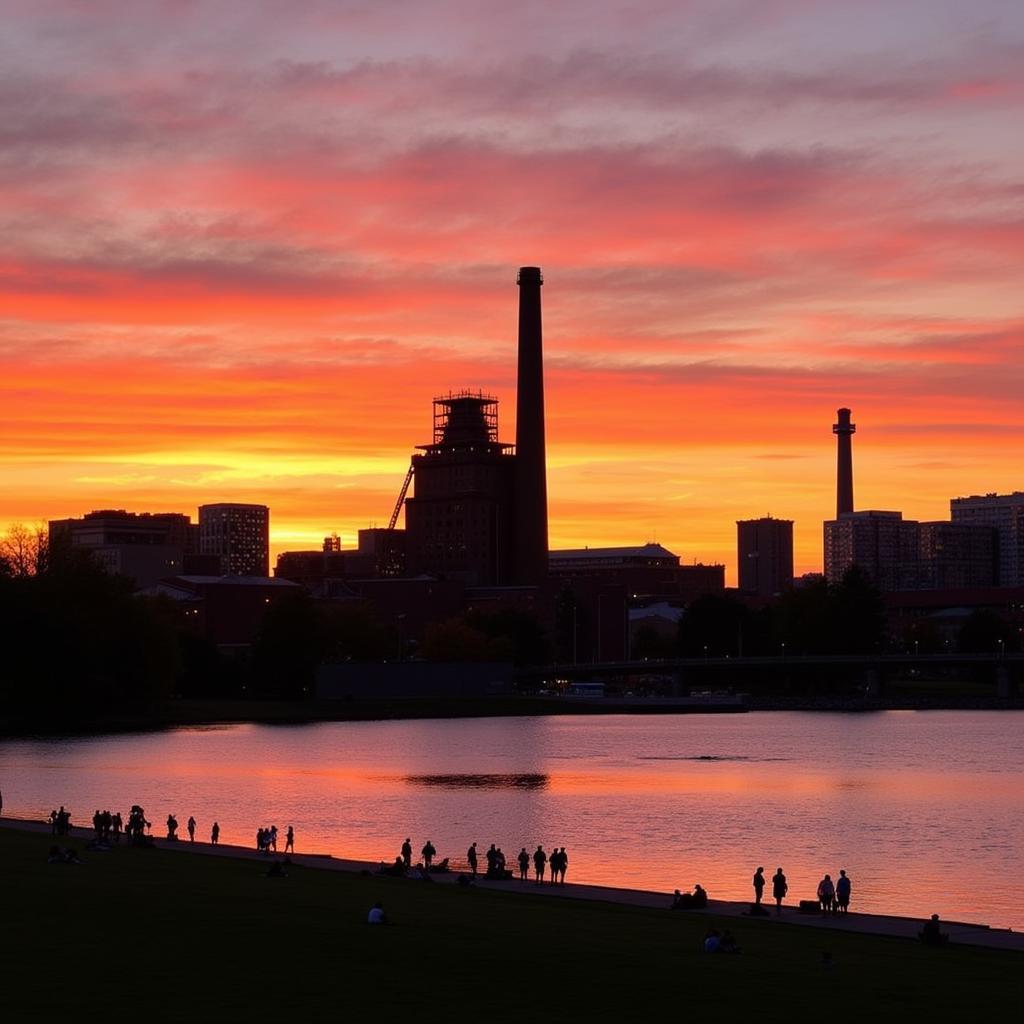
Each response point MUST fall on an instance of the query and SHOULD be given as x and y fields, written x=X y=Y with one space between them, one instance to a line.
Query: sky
x=244 y=244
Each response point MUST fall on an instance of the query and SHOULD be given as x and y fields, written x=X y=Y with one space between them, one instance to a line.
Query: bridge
x=1003 y=668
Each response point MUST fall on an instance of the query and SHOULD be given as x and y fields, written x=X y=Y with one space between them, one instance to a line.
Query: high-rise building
x=239 y=535
x=956 y=555
x=1005 y=514
x=765 y=555
x=883 y=544
x=903 y=554
x=141 y=545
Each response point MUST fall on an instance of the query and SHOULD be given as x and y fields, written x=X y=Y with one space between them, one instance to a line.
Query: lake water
x=924 y=810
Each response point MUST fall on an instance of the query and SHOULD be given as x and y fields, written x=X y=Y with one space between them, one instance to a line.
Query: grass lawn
x=161 y=935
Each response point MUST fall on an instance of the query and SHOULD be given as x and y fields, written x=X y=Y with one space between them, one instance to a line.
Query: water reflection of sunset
x=650 y=803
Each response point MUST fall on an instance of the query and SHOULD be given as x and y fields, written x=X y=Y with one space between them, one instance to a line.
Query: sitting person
x=931 y=934
x=55 y=856
x=397 y=870
x=727 y=944
x=712 y=941
x=696 y=900
x=377 y=915
x=439 y=869
x=276 y=870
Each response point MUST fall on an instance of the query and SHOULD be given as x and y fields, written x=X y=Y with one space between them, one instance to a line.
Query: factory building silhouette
x=479 y=506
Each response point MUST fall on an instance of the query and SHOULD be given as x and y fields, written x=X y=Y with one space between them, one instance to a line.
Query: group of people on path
x=266 y=840
x=60 y=822
x=497 y=869
x=833 y=898
x=779 y=888
x=108 y=827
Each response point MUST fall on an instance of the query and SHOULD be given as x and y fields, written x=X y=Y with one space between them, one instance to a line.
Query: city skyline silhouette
x=241 y=274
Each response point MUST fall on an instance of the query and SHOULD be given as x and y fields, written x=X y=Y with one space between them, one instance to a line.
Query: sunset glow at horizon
x=247 y=243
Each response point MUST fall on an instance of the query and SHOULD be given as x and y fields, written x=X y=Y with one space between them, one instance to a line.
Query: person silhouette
x=826 y=894
x=540 y=858
x=492 y=860
x=842 y=893
x=428 y=852
x=931 y=934
x=524 y=865
x=471 y=857
x=191 y=826
x=172 y=827
x=563 y=863
x=289 y=840
x=407 y=853
x=215 y=834
x=758 y=885
x=779 y=889
x=553 y=863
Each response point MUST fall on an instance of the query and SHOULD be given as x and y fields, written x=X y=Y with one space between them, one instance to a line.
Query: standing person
x=428 y=852
x=191 y=826
x=563 y=863
x=842 y=893
x=172 y=827
x=289 y=840
x=553 y=865
x=272 y=839
x=492 y=861
x=471 y=857
x=524 y=865
x=407 y=853
x=826 y=894
x=215 y=834
x=540 y=858
x=758 y=885
x=779 y=889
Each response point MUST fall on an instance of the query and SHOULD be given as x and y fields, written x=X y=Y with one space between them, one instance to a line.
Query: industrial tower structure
x=531 y=495
x=844 y=431
x=479 y=507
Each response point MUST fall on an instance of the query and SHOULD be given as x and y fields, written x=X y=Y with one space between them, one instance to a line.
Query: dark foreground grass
x=160 y=935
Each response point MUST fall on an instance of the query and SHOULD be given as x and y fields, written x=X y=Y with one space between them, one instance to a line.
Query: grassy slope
x=181 y=937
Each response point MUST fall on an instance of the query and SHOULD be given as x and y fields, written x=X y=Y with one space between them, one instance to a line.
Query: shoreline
x=961 y=933
x=193 y=712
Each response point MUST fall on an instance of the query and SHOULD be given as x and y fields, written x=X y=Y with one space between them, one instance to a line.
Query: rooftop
x=649 y=550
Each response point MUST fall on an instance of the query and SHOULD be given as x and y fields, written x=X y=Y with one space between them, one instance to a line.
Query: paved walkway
x=961 y=933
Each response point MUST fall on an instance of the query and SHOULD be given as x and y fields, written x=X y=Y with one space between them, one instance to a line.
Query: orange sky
x=246 y=244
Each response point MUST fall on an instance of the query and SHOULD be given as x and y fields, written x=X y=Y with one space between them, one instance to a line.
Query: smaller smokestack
x=844 y=431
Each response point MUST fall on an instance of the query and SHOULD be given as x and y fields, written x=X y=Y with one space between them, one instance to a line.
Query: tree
x=983 y=632
x=716 y=625
x=24 y=550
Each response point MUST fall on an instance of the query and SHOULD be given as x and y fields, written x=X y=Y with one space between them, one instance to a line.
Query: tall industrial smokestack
x=531 y=497
x=844 y=431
